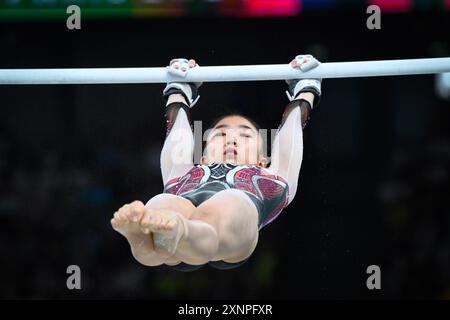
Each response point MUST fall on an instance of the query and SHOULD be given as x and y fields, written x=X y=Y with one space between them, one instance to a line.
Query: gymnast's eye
x=219 y=134
x=246 y=135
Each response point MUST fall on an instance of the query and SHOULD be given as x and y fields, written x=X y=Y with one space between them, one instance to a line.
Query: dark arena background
x=374 y=183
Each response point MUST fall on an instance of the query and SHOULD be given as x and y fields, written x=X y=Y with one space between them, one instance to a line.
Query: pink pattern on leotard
x=270 y=190
x=185 y=183
x=267 y=186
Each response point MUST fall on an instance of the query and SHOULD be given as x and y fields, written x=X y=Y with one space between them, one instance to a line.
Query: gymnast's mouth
x=230 y=150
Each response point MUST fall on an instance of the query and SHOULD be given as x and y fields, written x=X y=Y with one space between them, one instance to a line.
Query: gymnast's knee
x=171 y=202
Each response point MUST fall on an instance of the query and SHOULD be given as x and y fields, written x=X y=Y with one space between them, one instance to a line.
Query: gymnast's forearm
x=178 y=149
x=287 y=148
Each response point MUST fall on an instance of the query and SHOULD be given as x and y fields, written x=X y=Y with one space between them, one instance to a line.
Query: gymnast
x=212 y=212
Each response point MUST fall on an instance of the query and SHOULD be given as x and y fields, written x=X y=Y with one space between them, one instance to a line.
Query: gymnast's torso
x=267 y=191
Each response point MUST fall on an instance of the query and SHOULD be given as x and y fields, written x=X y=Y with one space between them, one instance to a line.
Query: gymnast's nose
x=231 y=139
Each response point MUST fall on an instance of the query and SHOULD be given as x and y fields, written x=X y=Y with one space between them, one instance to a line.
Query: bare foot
x=168 y=227
x=126 y=221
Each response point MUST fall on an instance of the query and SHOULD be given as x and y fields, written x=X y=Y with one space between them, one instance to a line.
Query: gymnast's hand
x=299 y=86
x=189 y=90
x=304 y=62
x=181 y=66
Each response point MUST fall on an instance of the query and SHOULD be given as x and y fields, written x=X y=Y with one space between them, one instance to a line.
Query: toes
x=145 y=221
x=131 y=212
x=136 y=211
x=156 y=221
x=171 y=224
x=116 y=222
x=167 y=224
x=120 y=216
x=137 y=206
x=123 y=211
x=163 y=223
x=134 y=215
x=137 y=203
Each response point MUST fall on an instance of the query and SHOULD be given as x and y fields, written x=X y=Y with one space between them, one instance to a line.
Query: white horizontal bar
x=225 y=73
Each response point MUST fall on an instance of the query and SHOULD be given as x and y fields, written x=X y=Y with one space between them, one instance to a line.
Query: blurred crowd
x=416 y=203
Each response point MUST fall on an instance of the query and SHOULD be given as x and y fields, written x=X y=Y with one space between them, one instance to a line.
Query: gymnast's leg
x=127 y=221
x=225 y=227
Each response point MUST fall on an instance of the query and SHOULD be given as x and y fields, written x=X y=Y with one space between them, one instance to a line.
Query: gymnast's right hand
x=189 y=90
x=298 y=86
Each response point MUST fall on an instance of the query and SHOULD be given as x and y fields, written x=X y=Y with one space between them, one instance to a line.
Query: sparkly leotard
x=268 y=192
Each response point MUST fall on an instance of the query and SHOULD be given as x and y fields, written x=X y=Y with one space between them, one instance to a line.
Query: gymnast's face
x=234 y=140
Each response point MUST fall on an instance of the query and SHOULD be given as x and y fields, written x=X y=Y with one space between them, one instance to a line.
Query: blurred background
x=374 y=184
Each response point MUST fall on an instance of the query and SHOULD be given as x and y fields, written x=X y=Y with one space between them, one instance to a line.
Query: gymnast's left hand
x=180 y=67
x=304 y=62
x=298 y=86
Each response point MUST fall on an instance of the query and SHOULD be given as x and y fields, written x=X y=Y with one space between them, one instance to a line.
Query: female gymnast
x=211 y=213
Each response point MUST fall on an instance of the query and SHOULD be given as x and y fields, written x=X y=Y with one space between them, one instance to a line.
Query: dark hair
x=234 y=114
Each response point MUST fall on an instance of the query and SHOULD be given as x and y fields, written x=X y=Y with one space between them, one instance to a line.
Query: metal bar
x=225 y=73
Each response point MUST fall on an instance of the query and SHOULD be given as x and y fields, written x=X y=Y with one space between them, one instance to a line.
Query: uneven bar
x=225 y=73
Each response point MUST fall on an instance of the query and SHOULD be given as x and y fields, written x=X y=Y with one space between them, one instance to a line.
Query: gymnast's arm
x=287 y=147
x=178 y=149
